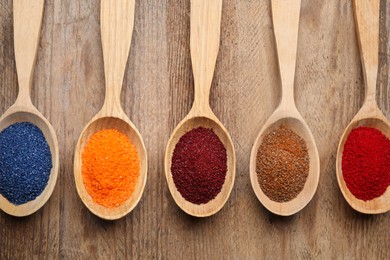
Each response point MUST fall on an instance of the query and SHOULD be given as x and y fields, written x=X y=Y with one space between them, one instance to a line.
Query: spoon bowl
x=123 y=125
x=380 y=204
x=299 y=126
x=15 y=115
x=214 y=205
x=367 y=28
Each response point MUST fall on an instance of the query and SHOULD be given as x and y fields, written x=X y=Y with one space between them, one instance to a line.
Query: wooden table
x=68 y=88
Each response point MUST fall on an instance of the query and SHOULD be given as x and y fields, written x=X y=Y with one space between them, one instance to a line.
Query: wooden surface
x=68 y=87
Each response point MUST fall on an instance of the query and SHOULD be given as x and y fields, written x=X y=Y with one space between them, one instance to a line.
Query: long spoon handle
x=204 y=45
x=285 y=17
x=117 y=23
x=367 y=28
x=27 y=27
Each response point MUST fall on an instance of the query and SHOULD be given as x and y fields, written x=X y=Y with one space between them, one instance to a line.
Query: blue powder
x=25 y=162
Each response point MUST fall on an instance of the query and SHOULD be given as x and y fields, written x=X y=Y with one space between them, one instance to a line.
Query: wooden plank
x=68 y=89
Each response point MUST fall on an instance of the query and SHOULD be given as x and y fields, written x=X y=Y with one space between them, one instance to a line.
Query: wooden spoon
x=204 y=41
x=367 y=27
x=27 y=26
x=117 y=22
x=285 y=16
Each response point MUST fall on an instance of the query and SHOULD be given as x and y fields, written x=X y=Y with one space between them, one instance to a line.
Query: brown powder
x=282 y=164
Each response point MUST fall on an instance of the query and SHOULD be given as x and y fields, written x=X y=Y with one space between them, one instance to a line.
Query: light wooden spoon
x=117 y=22
x=27 y=26
x=204 y=41
x=285 y=16
x=367 y=27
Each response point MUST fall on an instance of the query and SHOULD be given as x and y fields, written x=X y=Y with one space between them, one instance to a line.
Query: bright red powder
x=199 y=165
x=366 y=163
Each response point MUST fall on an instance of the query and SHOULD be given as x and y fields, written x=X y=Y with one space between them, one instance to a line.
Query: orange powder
x=110 y=167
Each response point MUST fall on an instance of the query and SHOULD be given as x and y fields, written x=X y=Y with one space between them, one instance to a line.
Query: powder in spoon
x=25 y=162
x=366 y=163
x=282 y=164
x=199 y=165
x=110 y=167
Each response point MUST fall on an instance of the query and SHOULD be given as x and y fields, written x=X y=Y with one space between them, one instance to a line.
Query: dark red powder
x=366 y=163
x=199 y=165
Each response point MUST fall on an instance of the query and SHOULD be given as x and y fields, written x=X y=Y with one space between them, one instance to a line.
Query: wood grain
x=157 y=94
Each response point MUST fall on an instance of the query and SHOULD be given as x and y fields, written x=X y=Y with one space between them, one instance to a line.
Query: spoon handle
x=27 y=27
x=367 y=28
x=117 y=22
x=285 y=17
x=204 y=45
